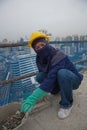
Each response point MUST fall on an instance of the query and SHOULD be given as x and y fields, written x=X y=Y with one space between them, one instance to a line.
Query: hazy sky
x=19 y=18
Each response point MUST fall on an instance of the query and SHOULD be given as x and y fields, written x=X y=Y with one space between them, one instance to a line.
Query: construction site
x=18 y=82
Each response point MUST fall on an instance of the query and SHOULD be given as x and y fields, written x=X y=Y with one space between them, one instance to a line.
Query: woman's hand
x=29 y=103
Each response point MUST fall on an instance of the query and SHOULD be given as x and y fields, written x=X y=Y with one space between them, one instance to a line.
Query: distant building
x=69 y=50
x=52 y=38
x=57 y=38
x=85 y=37
x=84 y=56
x=68 y=38
x=75 y=37
x=5 y=40
x=82 y=37
x=85 y=46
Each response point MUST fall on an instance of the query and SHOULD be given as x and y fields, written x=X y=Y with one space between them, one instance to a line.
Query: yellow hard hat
x=36 y=35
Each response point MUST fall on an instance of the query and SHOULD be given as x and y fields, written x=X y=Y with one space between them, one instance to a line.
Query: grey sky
x=18 y=18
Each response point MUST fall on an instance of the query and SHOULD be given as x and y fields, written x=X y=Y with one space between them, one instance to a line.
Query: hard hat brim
x=31 y=41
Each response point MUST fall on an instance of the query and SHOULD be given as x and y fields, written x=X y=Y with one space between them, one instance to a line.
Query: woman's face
x=39 y=45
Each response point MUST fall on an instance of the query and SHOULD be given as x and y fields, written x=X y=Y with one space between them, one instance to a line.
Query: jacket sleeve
x=50 y=81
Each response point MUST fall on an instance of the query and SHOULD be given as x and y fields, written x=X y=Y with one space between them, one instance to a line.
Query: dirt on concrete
x=15 y=119
x=12 y=121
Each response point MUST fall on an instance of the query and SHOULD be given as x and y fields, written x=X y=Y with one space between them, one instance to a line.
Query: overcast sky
x=19 y=18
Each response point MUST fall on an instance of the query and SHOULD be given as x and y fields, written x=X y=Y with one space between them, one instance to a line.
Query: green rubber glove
x=29 y=103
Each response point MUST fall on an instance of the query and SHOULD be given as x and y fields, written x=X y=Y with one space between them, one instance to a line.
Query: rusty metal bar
x=4 y=45
x=81 y=61
x=65 y=42
x=17 y=78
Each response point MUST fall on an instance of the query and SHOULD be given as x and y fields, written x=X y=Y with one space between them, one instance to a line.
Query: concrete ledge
x=11 y=108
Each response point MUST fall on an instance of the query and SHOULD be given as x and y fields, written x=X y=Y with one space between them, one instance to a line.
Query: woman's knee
x=64 y=74
x=68 y=77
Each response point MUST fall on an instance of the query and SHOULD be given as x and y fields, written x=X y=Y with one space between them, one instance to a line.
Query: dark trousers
x=66 y=82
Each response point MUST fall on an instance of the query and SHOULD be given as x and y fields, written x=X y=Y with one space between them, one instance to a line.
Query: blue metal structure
x=21 y=65
x=4 y=89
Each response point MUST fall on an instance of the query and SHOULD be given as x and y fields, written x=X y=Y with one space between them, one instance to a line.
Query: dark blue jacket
x=51 y=60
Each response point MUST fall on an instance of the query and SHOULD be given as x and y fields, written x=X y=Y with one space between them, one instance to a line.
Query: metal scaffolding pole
x=17 y=78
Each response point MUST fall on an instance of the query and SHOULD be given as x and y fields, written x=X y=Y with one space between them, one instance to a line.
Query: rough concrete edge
x=38 y=107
